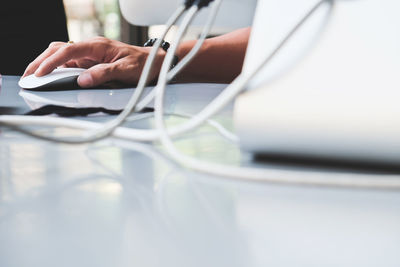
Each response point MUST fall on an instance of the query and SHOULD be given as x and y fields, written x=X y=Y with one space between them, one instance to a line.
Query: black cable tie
x=203 y=3
x=189 y=3
x=199 y=3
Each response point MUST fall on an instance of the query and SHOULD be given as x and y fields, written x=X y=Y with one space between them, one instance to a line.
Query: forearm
x=220 y=59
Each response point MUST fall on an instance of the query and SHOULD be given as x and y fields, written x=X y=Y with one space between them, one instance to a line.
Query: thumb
x=97 y=75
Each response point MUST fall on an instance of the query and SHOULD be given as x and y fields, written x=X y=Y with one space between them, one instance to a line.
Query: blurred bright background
x=89 y=18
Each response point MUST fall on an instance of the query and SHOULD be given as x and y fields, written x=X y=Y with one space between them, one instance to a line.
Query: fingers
x=98 y=74
x=63 y=55
x=119 y=61
x=70 y=64
x=121 y=70
x=82 y=63
x=85 y=63
x=32 y=67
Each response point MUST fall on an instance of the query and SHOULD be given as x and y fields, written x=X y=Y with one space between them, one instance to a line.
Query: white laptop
x=334 y=91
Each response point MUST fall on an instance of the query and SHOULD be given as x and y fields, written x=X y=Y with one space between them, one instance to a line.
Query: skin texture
x=220 y=60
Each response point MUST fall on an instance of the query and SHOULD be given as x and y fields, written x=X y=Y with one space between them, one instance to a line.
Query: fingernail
x=85 y=80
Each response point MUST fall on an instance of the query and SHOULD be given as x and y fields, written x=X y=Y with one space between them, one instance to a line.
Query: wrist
x=157 y=64
x=164 y=46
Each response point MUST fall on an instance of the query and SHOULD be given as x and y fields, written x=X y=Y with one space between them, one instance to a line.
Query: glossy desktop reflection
x=121 y=204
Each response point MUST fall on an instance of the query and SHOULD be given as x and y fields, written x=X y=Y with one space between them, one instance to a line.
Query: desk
x=104 y=205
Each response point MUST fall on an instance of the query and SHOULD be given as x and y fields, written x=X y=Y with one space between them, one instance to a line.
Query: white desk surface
x=104 y=205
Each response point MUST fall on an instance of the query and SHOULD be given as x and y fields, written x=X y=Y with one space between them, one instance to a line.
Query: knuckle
x=54 y=44
x=67 y=49
x=46 y=62
x=104 y=42
x=130 y=67
x=31 y=66
x=100 y=39
x=109 y=70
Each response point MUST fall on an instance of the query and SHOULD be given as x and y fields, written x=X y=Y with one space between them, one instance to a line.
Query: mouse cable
x=321 y=179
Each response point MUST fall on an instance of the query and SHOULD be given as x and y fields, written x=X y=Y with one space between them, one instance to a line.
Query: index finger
x=62 y=56
x=32 y=67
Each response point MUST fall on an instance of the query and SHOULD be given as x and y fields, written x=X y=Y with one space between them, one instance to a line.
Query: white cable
x=16 y=122
x=239 y=84
x=130 y=107
x=235 y=87
x=260 y=174
x=217 y=126
x=189 y=57
x=140 y=117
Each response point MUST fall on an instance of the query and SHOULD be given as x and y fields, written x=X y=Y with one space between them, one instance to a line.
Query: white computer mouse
x=59 y=79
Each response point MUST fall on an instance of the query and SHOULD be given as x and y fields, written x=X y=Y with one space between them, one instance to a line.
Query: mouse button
x=62 y=84
x=32 y=81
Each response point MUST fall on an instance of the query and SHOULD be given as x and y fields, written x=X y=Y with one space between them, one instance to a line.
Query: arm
x=219 y=60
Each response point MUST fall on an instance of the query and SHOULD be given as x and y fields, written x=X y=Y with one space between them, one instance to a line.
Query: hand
x=106 y=60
